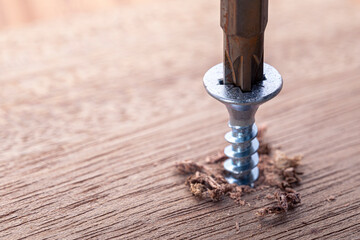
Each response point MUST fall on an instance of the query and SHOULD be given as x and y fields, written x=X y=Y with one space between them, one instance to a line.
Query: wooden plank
x=96 y=109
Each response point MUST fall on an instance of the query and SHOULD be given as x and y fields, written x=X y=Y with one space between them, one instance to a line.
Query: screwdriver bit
x=243 y=82
x=244 y=22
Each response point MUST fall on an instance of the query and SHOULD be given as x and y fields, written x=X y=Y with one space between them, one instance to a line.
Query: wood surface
x=96 y=108
x=17 y=13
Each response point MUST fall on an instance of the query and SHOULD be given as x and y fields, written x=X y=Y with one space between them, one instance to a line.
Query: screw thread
x=243 y=158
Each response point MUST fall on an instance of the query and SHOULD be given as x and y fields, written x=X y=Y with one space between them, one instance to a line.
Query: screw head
x=229 y=93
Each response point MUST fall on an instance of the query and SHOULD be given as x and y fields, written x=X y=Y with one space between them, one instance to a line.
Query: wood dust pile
x=277 y=171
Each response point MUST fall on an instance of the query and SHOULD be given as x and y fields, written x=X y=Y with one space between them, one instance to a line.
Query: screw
x=241 y=165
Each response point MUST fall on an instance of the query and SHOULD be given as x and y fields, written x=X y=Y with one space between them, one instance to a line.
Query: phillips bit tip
x=244 y=23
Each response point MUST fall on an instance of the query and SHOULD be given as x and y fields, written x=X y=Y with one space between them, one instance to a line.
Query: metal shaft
x=243 y=158
x=244 y=23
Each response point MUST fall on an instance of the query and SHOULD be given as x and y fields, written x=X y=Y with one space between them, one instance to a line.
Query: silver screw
x=241 y=165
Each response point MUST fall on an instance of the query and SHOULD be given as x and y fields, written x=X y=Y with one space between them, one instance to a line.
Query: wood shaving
x=285 y=201
x=282 y=161
x=215 y=187
x=278 y=171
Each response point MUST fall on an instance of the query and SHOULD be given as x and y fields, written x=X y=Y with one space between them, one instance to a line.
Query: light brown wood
x=96 y=109
x=16 y=13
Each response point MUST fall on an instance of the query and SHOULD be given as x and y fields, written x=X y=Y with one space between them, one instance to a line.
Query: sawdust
x=280 y=170
x=277 y=171
x=206 y=184
x=285 y=201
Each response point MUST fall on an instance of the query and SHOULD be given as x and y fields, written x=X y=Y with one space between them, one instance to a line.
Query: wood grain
x=96 y=109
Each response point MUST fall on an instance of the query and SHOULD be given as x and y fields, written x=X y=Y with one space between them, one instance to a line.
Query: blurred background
x=81 y=68
x=16 y=13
